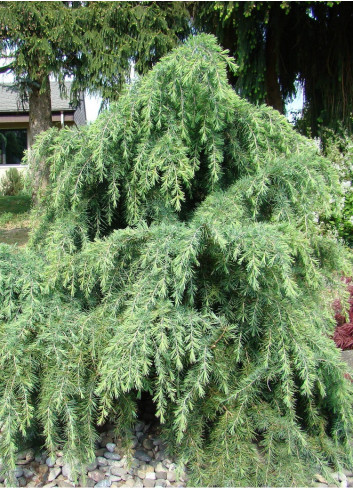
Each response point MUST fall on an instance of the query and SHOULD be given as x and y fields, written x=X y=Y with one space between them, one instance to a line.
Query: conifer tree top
x=174 y=138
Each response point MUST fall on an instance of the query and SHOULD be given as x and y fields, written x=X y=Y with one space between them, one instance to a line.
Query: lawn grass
x=17 y=204
x=14 y=219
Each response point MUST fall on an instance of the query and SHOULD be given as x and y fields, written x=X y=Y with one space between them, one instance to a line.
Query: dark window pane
x=13 y=142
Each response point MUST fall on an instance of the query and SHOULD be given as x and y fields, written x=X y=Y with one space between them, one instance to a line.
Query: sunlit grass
x=14 y=219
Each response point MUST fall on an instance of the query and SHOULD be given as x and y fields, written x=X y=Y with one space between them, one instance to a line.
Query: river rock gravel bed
x=150 y=465
x=342 y=479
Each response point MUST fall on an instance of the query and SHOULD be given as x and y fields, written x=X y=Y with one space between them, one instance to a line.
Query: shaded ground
x=17 y=236
x=14 y=219
x=347 y=356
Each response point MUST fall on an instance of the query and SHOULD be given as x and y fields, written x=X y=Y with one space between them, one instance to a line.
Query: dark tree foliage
x=95 y=42
x=177 y=252
x=115 y=34
x=279 y=43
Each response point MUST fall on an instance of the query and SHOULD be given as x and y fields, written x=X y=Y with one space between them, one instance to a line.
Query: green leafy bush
x=11 y=182
x=338 y=147
x=177 y=253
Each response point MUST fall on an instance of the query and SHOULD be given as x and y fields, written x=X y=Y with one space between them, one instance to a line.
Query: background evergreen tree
x=277 y=44
x=93 y=42
x=178 y=253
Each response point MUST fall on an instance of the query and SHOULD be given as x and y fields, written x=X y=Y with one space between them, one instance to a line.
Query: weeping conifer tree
x=177 y=252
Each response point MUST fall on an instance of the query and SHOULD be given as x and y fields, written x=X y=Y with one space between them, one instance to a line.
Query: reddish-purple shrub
x=343 y=335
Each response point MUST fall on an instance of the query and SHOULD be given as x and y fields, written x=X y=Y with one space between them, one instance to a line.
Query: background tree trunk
x=273 y=90
x=39 y=120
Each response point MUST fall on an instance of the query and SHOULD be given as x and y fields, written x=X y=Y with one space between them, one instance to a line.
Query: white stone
x=18 y=472
x=114 y=478
x=115 y=463
x=28 y=473
x=112 y=456
x=339 y=476
x=102 y=461
x=320 y=478
x=160 y=467
x=161 y=474
x=66 y=471
x=150 y=475
x=50 y=462
x=103 y=483
x=53 y=473
x=129 y=483
x=171 y=477
x=27 y=455
x=110 y=447
x=92 y=466
x=96 y=475
x=161 y=483
x=119 y=471
x=50 y=484
x=149 y=482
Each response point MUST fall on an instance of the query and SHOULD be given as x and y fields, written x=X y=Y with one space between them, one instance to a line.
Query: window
x=13 y=142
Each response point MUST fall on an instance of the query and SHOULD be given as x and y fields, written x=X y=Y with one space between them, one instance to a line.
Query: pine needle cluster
x=178 y=253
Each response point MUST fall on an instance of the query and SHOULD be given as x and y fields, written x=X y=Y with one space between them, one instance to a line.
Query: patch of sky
x=294 y=106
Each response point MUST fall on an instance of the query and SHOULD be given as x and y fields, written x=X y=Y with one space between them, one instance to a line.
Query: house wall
x=80 y=116
x=23 y=125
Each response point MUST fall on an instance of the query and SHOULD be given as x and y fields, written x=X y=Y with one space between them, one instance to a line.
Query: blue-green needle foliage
x=177 y=253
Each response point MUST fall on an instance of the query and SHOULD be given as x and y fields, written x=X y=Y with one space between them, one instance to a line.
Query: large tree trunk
x=273 y=91
x=39 y=120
